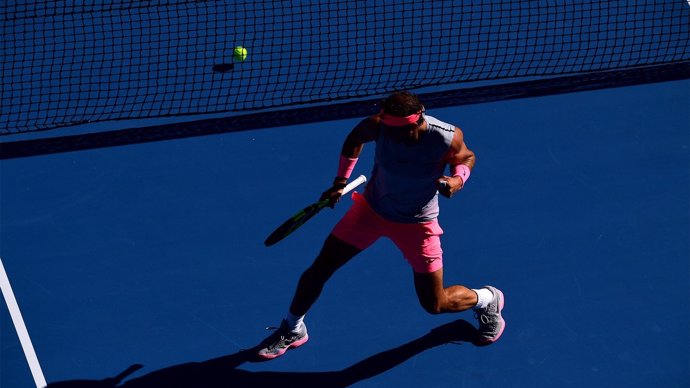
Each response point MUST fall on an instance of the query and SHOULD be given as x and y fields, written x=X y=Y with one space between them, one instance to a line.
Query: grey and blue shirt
x=402 y=187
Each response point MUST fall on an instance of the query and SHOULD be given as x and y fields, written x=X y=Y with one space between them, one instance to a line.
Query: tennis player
x=400 y=202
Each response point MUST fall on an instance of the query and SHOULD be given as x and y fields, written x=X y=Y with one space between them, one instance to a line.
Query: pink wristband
x=345 y=166
x=460 y=170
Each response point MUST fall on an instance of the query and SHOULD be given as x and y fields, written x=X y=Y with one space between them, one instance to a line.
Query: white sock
x=294 y=322
x=484 y=297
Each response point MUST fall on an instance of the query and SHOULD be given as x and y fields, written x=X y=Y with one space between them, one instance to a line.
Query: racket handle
x=352 y=185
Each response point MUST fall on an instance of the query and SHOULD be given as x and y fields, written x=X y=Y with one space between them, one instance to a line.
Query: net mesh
x=71 y=62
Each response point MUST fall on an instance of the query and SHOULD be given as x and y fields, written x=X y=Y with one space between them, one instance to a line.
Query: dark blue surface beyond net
x=71 y=62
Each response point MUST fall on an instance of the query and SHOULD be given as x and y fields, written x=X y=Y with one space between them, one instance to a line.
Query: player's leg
x=357 y=230
x=292 y=332
x=334 y=254
x=353 y=233
x=487 y=302
x=437 y=299
x=421 y=246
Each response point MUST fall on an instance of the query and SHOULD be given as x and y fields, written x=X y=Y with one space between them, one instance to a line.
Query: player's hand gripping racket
x=308 y=212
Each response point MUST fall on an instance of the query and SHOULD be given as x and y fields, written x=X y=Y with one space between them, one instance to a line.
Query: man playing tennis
x=400 y=203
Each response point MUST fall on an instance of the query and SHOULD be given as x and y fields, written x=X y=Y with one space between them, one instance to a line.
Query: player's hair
x=401 y=104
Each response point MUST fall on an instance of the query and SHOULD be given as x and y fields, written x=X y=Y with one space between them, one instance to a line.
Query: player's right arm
x=366 y=131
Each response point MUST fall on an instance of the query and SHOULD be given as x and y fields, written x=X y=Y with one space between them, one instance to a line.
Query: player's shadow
x=224 y=372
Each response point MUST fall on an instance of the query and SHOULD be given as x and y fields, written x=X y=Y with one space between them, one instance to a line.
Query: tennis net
x=71 y=62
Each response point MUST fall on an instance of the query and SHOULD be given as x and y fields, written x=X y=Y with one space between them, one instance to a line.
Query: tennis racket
x=305 y=214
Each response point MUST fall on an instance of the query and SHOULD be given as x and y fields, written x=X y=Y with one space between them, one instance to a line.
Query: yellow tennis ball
x=239 y=54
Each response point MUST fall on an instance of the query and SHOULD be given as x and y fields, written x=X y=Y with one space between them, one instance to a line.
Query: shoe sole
x=501 y=302
x=293 y=345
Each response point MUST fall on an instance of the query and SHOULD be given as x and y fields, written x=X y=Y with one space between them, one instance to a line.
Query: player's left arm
x=461 y=161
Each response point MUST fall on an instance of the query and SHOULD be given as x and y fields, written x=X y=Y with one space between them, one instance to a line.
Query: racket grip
x=352 y=185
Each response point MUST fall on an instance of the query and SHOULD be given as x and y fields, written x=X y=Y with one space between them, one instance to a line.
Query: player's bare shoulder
x=458 y=152
x=367 y=129
x=458 y=138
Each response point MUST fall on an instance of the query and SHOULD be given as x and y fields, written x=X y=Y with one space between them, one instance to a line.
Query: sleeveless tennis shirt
x=402 y=187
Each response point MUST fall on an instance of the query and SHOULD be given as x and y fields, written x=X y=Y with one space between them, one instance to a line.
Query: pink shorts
x=420 y=243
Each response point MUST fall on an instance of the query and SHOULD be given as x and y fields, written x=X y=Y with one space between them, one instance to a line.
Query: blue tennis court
x=146 y=263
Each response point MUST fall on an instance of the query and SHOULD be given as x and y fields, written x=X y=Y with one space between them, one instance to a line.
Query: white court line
x=23 y=334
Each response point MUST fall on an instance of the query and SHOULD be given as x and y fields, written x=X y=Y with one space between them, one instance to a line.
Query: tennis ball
x=239 y=54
